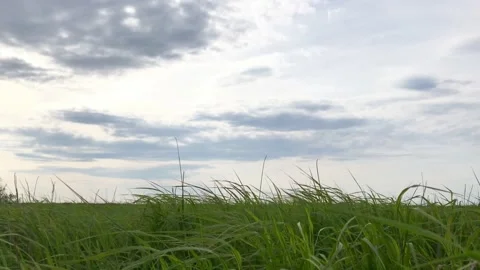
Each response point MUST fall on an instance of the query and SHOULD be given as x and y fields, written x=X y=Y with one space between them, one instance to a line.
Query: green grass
x=238 y=227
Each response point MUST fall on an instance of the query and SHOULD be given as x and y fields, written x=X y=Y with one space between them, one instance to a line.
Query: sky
x=96 y=92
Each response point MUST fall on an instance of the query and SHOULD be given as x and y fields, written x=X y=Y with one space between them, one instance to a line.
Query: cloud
x=37 y=157
x=257 y=72
x=427 y=84
x=302 y=107
x=101 y=63
x=283 y=121
x=449 y=107
x=374 y=140
x=15 y=68
x=255 y=148
x=313 y=107
x=149 y=173
x=278 y=134
x=43 y=137
x=121 y=126
x=55 y=145
x=471 y=45
x=104 y=36
x=458 y=82
x=419 y=83
x=237 y=147
x=251 y=74
x=58 y=145
x=52 y=145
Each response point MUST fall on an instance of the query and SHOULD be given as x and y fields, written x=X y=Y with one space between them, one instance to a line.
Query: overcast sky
x=95 y=91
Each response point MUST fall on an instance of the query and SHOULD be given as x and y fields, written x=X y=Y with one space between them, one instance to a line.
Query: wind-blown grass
x=235 y=226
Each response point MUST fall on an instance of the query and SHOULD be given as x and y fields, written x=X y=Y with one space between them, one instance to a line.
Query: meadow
x=234 y=226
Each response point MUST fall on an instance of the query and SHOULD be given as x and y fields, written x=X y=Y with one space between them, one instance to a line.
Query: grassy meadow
x=238 y=227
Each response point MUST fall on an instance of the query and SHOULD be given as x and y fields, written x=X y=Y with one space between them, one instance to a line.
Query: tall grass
x=235 y=226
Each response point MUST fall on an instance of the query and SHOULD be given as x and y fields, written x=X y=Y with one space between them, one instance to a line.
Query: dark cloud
x=18 y=69
x=419 y=83
x=121 y=126
x=103 y=35
x=150 y=173
x=448 y=107
x=284 y=121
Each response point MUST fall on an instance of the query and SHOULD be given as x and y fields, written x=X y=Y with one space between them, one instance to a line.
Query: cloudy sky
x=96 y=91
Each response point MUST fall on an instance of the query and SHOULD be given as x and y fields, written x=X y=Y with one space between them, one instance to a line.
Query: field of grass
x=237 y=227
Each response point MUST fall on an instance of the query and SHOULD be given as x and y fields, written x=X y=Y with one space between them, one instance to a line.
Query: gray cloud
x=284 y=121
x=121 y=126
x=50 y=145
x=301 y=106
x=100 y=36
x=15 y=68
x=257 y=72
x=56 y=145
x=37 y=157
x=394 y=100
x=430 y=87
x=101 y=64
x=313 y=107
x=150 y=173
x=470 y=46
x=457 y=82
x=251 y=74
x=370 y=141
x=255 y=148
x=427 y=84
x=338 y=138
x=419 y=83
x=47 y=158
x=448 y=107
x=41 y=137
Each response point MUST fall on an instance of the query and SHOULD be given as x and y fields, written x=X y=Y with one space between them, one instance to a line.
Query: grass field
x=238 y=227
